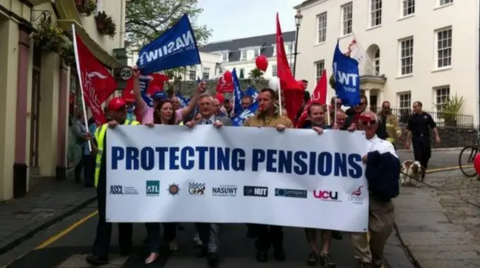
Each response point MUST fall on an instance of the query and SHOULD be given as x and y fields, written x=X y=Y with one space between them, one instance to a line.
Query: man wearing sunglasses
x=382 y=165
x=353 y=117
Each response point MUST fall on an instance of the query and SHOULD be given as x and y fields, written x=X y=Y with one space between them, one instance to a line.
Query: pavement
x=56 y=224
x=440 y=225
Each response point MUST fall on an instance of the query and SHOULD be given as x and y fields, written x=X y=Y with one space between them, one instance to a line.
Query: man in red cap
x=117 y=109
x=147 y=112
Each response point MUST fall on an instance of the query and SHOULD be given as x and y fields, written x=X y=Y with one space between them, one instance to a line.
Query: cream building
x=241 y=53
x=409 y=48
x=35 y=87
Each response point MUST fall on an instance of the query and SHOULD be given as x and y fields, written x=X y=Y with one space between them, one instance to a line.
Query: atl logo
x=116 y=189
x=153 y=188
x=325 y=195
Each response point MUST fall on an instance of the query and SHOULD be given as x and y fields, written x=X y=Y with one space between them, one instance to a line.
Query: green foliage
x=105 y=24
x=48 y=38
x=450 y=108
x=255 y=74
x=148 y=19
x=67 y=51
x=86 y=7
x=242 y=73
x=331 y=81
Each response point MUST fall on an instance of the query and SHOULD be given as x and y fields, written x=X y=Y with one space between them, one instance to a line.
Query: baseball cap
x=116 y=103
x=159 y=95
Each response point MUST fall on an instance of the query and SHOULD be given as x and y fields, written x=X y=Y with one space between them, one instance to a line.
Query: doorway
x=35 y=107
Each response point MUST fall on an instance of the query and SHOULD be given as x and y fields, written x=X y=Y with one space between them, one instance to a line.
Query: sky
x=233 y=19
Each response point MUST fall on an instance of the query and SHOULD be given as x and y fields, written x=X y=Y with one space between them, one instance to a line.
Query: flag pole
x=79 y=72
x=280 y=96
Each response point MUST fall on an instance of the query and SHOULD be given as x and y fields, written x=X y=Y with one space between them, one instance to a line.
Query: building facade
x=409 y=47
x=241 y=53
x=35 y=86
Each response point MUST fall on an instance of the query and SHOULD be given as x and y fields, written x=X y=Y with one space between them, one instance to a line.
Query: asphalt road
x=439 y=159
x=66 y=244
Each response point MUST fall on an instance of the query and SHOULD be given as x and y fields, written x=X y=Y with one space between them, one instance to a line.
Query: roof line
x=231 y=40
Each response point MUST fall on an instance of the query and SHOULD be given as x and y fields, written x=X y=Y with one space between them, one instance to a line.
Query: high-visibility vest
x=100 y=137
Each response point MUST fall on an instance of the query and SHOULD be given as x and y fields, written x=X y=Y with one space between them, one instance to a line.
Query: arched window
x=377 y=62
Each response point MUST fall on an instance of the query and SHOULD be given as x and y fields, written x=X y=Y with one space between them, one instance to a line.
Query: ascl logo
x=356 y=196
x=326 y=195
x=116 y=189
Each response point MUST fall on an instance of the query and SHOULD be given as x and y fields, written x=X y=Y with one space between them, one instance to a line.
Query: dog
x=411 y=173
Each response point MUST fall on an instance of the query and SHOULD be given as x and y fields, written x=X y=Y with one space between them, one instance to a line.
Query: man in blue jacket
x=382 y=174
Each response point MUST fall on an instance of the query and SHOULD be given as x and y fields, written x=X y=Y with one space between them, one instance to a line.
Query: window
x=256 y=52
x=406 y=56
x=289 y=48
x=243 y=55
x=319 y=68
x=274 y=50
x=347 y=18
x=442 y=95
x=404 y=101
x=375 y=13
x=322 y=27
x=445 y=2
x=377 y=62
x=225 y=56
x=206 y=73
x=444 y=48
x=274 y=70
x=408 y=7
x=192 y=74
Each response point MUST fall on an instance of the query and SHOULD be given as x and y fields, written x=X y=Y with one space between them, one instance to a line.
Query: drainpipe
x=122 y=24
x=478 y=62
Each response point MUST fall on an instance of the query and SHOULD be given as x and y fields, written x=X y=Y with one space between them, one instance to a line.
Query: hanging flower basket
x=86 y=7
x=48 y=38
x=105 y=24
x=67 y=52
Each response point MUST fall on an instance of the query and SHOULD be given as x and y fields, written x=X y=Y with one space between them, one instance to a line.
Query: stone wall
x=187 y=88
x=451 y=137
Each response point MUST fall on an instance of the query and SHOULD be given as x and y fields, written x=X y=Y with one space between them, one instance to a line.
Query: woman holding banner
x=162 y=115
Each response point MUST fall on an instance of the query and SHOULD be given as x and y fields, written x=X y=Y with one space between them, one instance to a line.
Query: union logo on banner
x=223 y=86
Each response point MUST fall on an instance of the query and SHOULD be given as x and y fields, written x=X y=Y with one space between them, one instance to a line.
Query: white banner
x=237 y=175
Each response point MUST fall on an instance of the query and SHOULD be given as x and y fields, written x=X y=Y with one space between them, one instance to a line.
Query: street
x=66 y=243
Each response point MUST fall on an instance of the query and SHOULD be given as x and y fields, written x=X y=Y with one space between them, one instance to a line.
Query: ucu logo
x=326 y=195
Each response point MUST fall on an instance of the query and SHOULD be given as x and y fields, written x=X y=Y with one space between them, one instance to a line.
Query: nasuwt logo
x=356 y=196
x=196 y=188
x=326 y=195
x=294 y=193
x=225 y=190
x=184 y=42
x=153 y=188
x=255 y=191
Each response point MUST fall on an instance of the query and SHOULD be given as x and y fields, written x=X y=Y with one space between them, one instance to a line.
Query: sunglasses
x=371 y=122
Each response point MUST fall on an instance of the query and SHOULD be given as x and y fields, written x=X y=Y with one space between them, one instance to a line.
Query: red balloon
x=227 y=76
x=261 y=62
x=220 y=97
x=476 y=163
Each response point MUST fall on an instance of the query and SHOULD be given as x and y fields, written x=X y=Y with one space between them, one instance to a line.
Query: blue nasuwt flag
x=347 y=78
x=177 y=47
x=237 y=93
x=252 y=92
x=239 y=119
x=183 y=100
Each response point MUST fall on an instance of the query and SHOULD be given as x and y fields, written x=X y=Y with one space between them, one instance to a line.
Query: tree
x=256 y=74
x=148 y=19
x=331 y=81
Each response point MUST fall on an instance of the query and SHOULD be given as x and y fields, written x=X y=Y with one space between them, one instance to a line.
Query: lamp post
x=298 y=22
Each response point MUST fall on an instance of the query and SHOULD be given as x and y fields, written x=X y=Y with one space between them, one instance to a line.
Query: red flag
x=98 y=84
x=156 y=84
x=292 y=90
x=223 y=86
x=319 y=96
